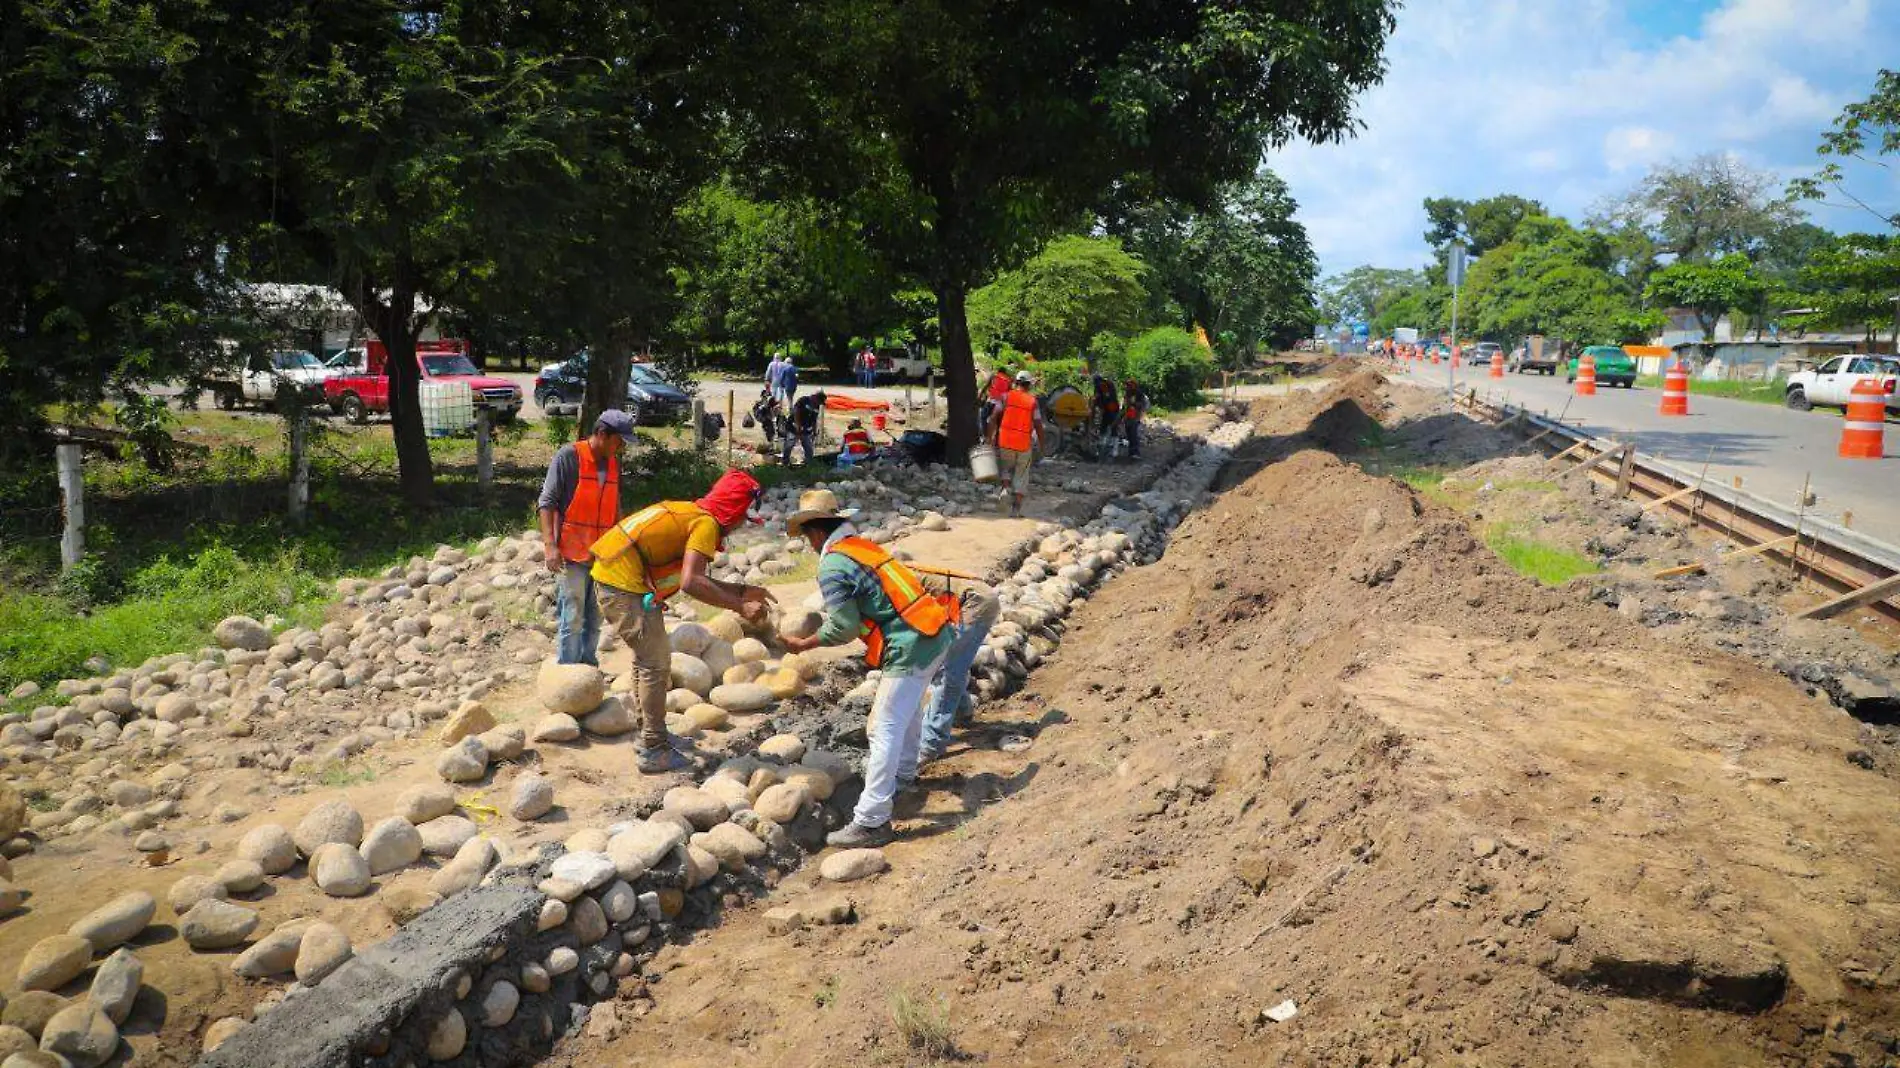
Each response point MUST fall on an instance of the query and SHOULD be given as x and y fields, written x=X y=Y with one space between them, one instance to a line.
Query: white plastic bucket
x=983 y=464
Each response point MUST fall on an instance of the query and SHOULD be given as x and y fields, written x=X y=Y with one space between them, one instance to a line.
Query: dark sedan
x=651 y=400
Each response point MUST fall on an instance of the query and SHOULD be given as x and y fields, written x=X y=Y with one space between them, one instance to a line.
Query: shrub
x=1170 y=363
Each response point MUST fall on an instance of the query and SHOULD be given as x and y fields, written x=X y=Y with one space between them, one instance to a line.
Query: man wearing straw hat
x=907 y=632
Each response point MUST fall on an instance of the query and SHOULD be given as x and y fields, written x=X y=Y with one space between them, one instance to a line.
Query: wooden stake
x=1800 y=516
x=1566 y=453
x=1767 y=546
x=72 y=495
x=1873 y=591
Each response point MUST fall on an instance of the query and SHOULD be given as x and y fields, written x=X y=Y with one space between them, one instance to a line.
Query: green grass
x=338 y=773
x=169 y=607
x=1758 y=392
x=1549 y=564
x=827 y=994
x=924 y=1025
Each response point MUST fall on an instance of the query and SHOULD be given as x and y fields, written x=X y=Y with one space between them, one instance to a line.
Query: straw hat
x=814 y=504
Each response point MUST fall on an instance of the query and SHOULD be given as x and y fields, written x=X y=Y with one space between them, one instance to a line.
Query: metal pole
x=299 y=465
x=1449 y=372
x=72 y=492
x=484 y=448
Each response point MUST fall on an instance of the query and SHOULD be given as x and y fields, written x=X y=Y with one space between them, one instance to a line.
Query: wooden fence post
x=930 y=387
x=484 y=447
x=699 y=422
x=72 y=492
x=732 y=427
x=299 y=465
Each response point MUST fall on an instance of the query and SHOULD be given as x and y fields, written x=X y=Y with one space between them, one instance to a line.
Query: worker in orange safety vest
x=580 y=499
x=1015 y=429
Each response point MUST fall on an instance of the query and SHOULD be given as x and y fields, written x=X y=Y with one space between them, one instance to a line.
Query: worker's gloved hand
x=647 y=601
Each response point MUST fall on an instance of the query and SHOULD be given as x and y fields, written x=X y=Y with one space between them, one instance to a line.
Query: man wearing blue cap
x=580 y=500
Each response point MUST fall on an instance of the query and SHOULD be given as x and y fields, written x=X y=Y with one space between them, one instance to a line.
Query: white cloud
x=1571 y=102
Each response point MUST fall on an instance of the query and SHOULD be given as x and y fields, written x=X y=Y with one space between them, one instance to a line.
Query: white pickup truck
x=266 y=374
x=1830 y=384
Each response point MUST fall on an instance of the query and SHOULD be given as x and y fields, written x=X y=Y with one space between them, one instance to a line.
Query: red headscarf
x=730 y=498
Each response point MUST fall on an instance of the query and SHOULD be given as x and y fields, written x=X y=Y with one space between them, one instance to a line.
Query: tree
x=1852 y=284
x=1864 y=129
x=110 y=273
x=764 y=271
x=1363 y=293
x=1708 y=289
x=1552 y=278
x=998 y=124
x=1057 y=302
x=1708 y=207
x=1481 y=224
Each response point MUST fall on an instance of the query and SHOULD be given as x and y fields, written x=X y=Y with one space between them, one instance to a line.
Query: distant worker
x=867 y=367
x=801 y=425
x=771 y=372
x=784 y=381
x=1015 y=428
x=646 y=558
x=907 y=632
x=856 y=444
x=1107 y=405
x=993 y=395
x=765 y=412
x=1134 y=408
x=580 y=499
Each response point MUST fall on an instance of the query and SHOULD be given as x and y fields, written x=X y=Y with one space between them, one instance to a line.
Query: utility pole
x=1455 y=271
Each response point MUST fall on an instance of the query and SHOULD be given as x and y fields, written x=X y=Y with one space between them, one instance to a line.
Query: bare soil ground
x=1330 y=750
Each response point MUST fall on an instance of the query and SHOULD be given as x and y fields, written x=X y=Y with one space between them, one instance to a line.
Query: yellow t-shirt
x=645 y=549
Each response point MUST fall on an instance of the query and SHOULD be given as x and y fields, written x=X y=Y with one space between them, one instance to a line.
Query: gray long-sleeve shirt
x=564 y=473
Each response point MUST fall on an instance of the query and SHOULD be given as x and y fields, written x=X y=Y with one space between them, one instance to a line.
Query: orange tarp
x=839 y=402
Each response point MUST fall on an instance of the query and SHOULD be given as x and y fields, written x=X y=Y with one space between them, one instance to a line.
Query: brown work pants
x=644 y=631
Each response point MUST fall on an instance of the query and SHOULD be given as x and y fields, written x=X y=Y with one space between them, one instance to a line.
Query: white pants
x=895 y=730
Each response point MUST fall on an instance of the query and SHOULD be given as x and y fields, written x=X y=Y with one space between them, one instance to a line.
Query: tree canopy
x=1056 y=303
x=1708 y=289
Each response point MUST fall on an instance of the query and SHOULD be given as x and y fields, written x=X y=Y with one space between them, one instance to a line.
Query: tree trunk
x=840 y=358
x=608 y=369
x=395 y=325
x=959 y=371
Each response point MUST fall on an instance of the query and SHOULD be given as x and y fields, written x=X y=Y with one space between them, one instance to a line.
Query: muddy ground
x=1331 y=784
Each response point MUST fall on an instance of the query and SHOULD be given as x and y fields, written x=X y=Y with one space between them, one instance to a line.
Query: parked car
x=265 y=375
x=355 y=396
x=1537 y=353
x=1831 y=384
x=902 y=365
x=1613 y=366
x=1483 y=352
x=651 y=399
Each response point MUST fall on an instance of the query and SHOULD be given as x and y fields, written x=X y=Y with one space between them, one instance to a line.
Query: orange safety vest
x=925 y=612
x=1019 y=421
x=1131 y=413
x=594 y=508
x=857 y=442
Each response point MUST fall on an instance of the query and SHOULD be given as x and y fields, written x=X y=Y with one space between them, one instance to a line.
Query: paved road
x=1769 y=448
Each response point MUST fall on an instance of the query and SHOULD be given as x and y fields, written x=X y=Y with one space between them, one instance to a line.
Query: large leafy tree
x=1702 y=209
x=1852 y=284
x=998 y=122
x=760 y=272
x=1552 y=278
x=1482 y=224
x=1709 y=290
x=1365 y=292
x=1058 y=301
x=110 y=272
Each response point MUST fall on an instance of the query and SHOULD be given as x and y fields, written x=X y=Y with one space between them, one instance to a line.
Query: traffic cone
x=1866 y=421
x=1675 y=399
x=1434 y=356
x=1497 y=364
x=1587 y=376
x=1457 y=351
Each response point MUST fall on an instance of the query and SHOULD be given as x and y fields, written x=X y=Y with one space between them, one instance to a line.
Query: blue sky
x=1570 y=101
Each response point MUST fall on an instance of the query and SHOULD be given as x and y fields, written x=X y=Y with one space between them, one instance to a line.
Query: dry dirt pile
x=1330 y=751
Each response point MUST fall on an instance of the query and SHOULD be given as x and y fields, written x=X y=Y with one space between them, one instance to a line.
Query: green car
x=1614 y=366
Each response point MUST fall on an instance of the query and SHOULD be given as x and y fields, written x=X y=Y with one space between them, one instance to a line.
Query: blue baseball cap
x=614 y=421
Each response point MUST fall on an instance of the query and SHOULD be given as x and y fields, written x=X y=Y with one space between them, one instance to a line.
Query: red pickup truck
x=355 y=394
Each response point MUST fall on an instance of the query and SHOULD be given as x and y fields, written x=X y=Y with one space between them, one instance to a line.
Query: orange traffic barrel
x=1434 y=355
x=1457 y=351
x=1497 y=364
x=1676 y=390
x=1586 y=375
x=1866 y=420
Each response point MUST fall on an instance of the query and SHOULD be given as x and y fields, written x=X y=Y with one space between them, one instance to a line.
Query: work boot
x=659 y=759
x=1015 y=507
x=854 y=836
